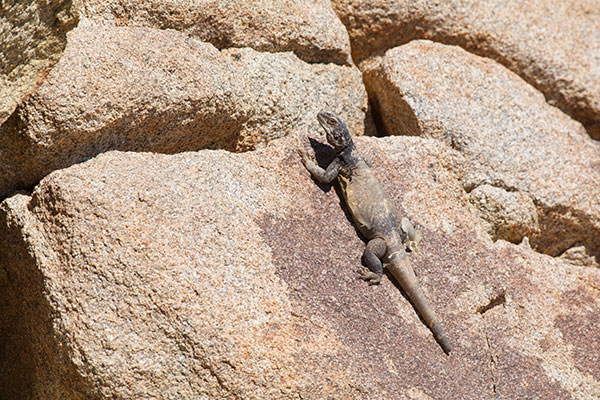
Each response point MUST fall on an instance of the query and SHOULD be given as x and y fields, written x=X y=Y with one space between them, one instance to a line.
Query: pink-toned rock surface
x=530 y=169
x=309 y=28
x=219 y=275
x=212 y=274
x=160 y=90
x=554 y=45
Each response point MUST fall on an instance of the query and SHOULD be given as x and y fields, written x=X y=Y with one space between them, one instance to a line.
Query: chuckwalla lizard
x=376 y=218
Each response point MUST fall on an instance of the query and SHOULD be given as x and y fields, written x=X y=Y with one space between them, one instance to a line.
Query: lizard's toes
x=375 y=281
x=303 y=155
x=367 y=275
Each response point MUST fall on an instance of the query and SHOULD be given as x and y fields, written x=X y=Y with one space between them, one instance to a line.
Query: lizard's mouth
x=323 y=122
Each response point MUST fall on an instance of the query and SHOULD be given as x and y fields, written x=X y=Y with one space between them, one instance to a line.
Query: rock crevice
x=526 y=174
x=553 y=46
x=172 y=246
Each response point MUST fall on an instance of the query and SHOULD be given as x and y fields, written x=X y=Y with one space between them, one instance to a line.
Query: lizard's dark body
x=376 y=218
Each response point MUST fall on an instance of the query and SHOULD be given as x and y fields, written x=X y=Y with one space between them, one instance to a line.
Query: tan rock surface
x=223 y=275
x=511 y=138
x=309 y=28
x=553 y=45
x=32 y=38
x=159 y=90
x=510 y=215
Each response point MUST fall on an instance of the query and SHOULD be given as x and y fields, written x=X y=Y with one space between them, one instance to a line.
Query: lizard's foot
x=367 y=275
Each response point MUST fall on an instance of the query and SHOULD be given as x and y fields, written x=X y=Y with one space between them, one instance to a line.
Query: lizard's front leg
x=319 y=173
x=372 y=257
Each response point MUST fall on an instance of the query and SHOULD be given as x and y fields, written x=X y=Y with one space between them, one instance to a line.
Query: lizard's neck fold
x=349 y=155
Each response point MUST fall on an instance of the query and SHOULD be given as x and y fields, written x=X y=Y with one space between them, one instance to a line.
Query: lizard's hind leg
x=372 y=258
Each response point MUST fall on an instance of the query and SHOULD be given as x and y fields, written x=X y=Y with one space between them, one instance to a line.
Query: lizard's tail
x=403 y=272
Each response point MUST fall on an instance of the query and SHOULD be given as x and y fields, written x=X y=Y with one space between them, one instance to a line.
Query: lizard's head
x=337 y=133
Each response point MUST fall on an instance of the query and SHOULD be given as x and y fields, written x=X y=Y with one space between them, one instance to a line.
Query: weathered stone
x=555 y=46
x=159 y=90
x=509 y=215
x=309 y=28
x=282 y=94
x=511 y=138
x=32 y=38
x=222 y=275
x=578 y=255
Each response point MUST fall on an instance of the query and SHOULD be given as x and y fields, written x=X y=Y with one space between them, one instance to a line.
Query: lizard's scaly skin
x=376 y=218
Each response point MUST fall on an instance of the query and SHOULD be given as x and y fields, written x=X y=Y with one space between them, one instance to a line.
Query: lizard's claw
x=367 y=275
x=303 y=156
